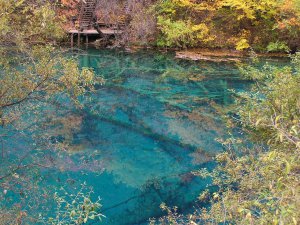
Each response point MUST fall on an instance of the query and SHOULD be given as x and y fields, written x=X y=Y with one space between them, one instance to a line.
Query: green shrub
x=278 y=47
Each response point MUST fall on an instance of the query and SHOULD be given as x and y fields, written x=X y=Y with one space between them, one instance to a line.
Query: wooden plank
x=110 y=31
x=91 y=31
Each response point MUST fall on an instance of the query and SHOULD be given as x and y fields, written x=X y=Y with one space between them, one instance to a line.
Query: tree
x=263 y=25
x=35 y=73
x=261 y=186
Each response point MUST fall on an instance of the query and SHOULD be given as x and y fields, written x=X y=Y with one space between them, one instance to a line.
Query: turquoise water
x=139 y=136
x=155 y=120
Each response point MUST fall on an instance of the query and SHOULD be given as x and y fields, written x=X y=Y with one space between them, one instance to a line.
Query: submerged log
x=213 y=56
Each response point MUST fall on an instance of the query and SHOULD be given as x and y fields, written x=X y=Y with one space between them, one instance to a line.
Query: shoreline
x=222 y=55
x=212 y=52
x=195 y=54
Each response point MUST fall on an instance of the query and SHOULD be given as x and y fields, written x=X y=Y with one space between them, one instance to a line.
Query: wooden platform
x=108 y=31
x=87 y=21
x=84 y=32
x=105 y=31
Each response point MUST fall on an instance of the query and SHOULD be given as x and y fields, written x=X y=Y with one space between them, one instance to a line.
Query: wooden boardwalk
x=87 y=25
x=105 y=31
x=84 y=32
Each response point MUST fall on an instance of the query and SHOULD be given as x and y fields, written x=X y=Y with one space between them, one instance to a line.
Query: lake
x=138 y=137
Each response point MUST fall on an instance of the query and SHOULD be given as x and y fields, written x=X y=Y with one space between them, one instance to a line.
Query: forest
x=264 y=25
x=128 y=133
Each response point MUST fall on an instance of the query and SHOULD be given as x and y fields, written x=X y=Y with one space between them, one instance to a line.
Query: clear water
x=141 y=134
x=157 y=121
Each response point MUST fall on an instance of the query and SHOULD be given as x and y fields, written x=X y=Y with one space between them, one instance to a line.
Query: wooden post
x=78 y=41
x=72 y=40
x=87 y=39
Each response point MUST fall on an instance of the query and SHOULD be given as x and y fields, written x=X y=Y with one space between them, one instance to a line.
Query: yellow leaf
x=242 y=44
x=257 y=122
x=295 y=221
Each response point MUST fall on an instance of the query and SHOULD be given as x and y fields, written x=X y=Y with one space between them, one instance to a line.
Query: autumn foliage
x=265 y=25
